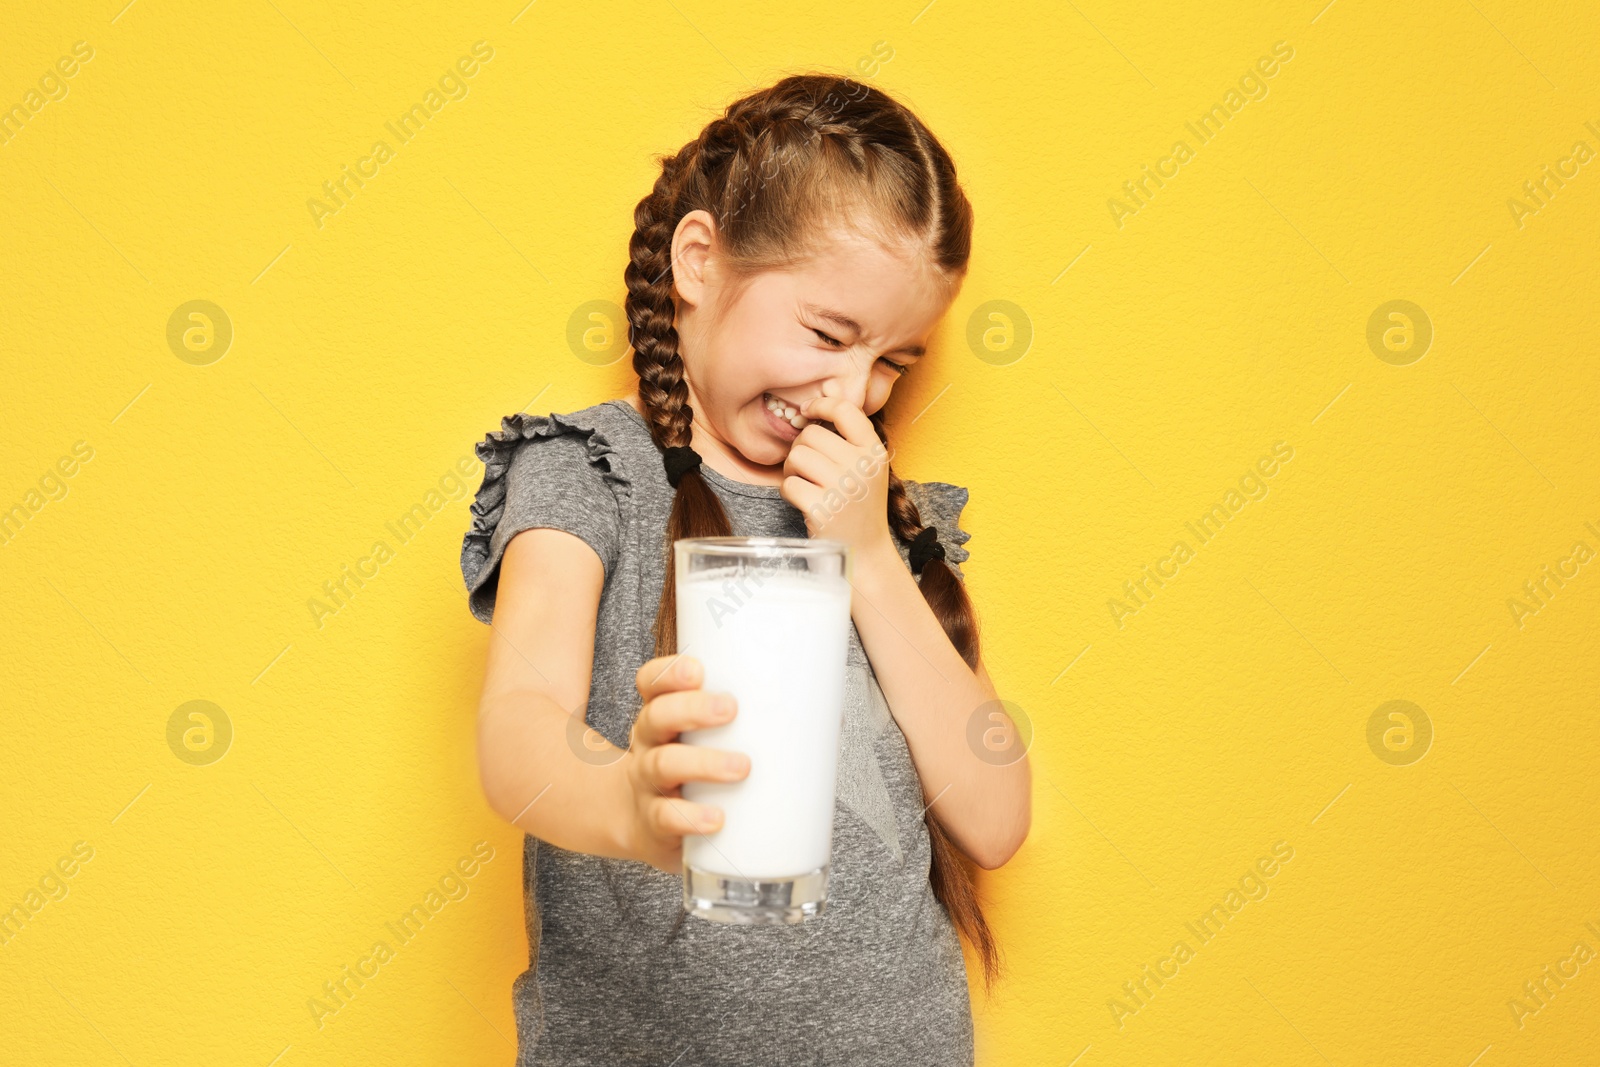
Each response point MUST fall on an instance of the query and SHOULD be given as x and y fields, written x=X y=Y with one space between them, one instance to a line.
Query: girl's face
x=843 y=324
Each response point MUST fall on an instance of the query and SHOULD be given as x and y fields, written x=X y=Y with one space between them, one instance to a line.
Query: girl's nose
x=851 y=384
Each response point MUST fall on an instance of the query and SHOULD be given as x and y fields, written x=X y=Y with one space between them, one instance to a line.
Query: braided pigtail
x=663 y=387
x=775 y=170
x=954 y=882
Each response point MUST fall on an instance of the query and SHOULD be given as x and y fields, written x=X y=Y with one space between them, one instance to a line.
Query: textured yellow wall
x=1121 y=360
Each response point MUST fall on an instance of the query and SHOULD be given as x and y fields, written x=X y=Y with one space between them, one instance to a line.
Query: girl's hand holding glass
x=657 y=764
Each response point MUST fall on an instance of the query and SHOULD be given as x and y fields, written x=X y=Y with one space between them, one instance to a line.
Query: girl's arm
x=933 y=694
x=931 y=691
x=541 y=651
x=541 y=767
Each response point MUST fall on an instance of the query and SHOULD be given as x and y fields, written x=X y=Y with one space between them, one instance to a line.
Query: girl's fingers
x=826 y=443
x=665 y=674
x=849 y=421
x=668 y=715
x=809 y=463
x=806 y=498
x=676 y=817
x=668 y=766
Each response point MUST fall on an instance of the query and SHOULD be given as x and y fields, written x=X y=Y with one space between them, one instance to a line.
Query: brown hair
x=772 y=170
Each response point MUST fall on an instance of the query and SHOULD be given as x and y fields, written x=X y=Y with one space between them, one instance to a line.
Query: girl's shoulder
x=607 y=440
x=574 y=471
x=600 y=439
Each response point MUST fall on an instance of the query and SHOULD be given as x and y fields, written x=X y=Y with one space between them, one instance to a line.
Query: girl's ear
x=692 y=242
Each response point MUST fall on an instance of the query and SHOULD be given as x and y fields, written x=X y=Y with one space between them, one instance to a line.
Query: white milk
x=778 y=642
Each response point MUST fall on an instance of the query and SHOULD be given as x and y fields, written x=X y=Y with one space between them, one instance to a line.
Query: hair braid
x=663 y=384
x=953 y=882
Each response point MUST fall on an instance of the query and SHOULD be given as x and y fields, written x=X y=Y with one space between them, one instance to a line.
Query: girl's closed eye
x=830 y=340
x=898 y=368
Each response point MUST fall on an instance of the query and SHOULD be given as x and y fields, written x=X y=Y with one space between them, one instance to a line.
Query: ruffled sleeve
x=542 y=471
x=939 y=504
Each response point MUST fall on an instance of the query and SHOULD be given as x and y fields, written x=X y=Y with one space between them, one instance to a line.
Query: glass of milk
x=769 y=619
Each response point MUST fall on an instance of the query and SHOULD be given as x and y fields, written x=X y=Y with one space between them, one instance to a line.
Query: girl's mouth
x=784 y=418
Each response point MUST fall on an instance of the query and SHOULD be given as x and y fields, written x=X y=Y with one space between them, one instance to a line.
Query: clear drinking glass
x=769 y=618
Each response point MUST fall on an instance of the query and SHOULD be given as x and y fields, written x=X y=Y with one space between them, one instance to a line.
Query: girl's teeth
x=786 y=411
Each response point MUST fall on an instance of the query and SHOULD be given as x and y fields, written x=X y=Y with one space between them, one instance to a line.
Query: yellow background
x=370 y=353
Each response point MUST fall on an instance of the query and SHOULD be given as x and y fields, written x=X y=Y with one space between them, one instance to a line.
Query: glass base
x=769 y=902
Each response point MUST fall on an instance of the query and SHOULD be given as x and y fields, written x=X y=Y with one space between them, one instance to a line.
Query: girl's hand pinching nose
x=657 y=764
x=839 y=478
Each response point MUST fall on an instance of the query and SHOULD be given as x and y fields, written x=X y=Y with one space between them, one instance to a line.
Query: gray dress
x=618 y=974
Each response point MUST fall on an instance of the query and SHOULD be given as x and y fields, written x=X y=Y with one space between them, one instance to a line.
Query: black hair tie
x=925 y=546
x=679 y=460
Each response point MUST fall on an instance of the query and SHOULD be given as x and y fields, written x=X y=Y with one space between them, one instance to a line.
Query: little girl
x=789 y=266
